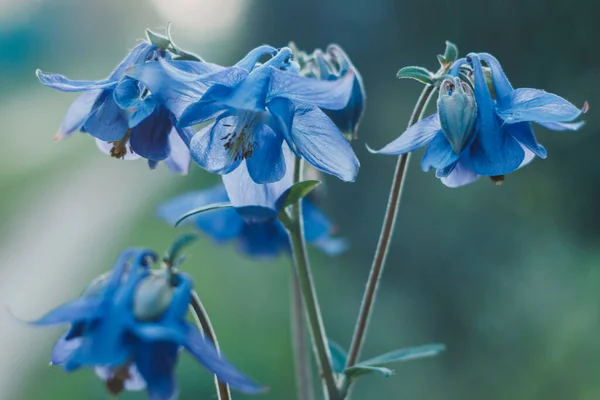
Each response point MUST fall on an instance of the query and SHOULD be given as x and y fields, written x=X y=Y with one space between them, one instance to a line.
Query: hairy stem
x=299 y=340
x=383 y=245
x=295 y=227
x=201 y=317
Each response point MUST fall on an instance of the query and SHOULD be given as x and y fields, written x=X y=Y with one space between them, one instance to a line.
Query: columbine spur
x=130 y=325
x=255 y=108
x=263 y=240
x=490 y=136
x=126 y=121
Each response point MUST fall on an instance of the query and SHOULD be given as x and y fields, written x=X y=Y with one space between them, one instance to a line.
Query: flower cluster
x=484 y=129
x=130 y=324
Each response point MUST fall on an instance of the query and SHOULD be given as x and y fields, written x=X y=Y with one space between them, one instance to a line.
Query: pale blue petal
x=534 y=105
x=459 y=176
x=144 y=108
x=332 y=246
x=77 y=114
x=523 y=132
x=208 y=150
x=73 y=311
x=250 y=60
x=267 y=163
x=329 y=94
x=65 y=84
x=562 y=126
x=316 y=223
x=107 y=122
x=254 y=202
x=415 y=137
x=63 y=349
x=127 y=93
x=439 y=153
x=179 y=159
x=322 y=144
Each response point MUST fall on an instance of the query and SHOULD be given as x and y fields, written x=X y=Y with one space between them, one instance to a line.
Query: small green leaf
x=410 y=353
x=451 y=53
x=158 y=40
x=179 y=244
x=338 y=357
x=359 y=369
x=420 y=74
x=200 y=210
x=298 y=191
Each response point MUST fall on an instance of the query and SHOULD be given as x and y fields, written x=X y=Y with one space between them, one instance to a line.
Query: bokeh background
x=507 y=277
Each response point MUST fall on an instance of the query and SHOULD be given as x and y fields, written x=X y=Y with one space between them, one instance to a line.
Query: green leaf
x=451 y=53
x=200 y=210
x=158 y=40
x=420 y=74
x=298 y=191
x=359 y=369
x=338 y=357
x=179 y=244
x=410 y=353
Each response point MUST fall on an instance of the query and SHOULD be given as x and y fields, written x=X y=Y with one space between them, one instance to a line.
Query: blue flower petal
x=502 y=85
x=63 y=349
x=263 y=241
x=107 y=121
x=459 y=176
x=76 y=310
x=205 y=109
x=179 y=158
x=141 y=53
x=127 y=93
x=254 y=202
x=203 y=350
x=493 y=150
x=144 y=108
x=77 y=114
x=316 y=223
x=439 y=153
x=208 y=150
x=523 y=132
x=332 y=246
x=156 y=364
x=150 y=138
x=536 y=106
x=415 y=137
x=267 y=163
x=562 y=126
x=329 y=94
x=65 y=84
x=322 y=144
x=250 y=60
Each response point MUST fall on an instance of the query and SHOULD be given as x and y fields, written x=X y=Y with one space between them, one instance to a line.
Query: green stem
x=201 y=317
x=295 y=227
x=299 y=340
x=383 y=245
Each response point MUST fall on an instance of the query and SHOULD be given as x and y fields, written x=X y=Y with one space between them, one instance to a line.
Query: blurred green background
x=506 y=276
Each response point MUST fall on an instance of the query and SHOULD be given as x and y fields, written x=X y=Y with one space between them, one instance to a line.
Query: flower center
x=119 y=149
x=240 y=142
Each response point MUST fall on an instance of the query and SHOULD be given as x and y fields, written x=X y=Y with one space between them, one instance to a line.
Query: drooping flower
x=255 y=108
x=129 y=325
x=265 y=239
x=334 y=64
x=501 y=137
x=126 y=121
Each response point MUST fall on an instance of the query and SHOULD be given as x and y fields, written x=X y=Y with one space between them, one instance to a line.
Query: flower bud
x=458 y=111
x=153 y=296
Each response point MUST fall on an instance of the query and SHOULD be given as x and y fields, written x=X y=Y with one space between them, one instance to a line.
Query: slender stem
x=299 y=340
x=385 y=237
x=201 y=317
x=295 y=228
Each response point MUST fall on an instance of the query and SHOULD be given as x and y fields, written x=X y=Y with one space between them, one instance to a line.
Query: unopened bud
x=458 y=111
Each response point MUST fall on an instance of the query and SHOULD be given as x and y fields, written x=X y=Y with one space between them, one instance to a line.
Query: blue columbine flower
x=262 y=240
x=130 y=324
x=334 y=64
x=255 y=108
x=126 y=121
x=490 y=137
